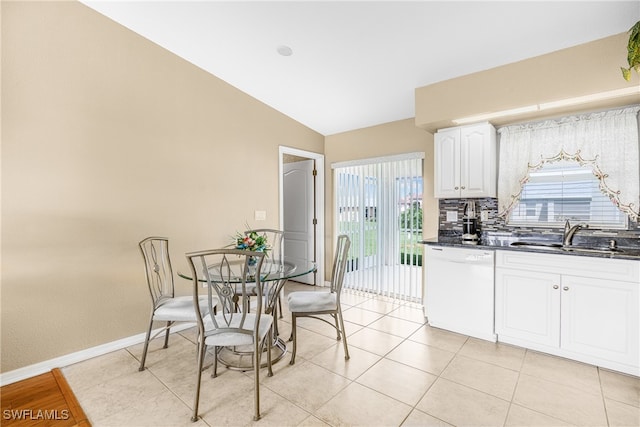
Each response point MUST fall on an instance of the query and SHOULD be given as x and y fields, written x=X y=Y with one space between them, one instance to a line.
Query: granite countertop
x=630 y=253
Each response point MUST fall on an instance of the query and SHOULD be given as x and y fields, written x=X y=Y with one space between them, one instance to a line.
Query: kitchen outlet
x=452 y=216
x=260 y=215
x=484 y=216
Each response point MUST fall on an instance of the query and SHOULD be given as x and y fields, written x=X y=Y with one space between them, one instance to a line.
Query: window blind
x=563 y=191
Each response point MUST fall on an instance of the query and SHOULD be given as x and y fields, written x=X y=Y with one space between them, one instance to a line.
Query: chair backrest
x=157 y=267
x=228 y=275
x=340 y=263
x=275 y=241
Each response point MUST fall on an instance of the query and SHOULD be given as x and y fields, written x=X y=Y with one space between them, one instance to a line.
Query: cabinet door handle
x=457 y=188
x=463 y=187
x=555 y=286
x=566 y=288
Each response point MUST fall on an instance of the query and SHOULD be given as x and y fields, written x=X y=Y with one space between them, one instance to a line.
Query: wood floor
x=44 y=400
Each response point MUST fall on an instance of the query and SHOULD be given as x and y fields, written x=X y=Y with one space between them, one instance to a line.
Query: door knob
x=566 y=288
x=555 y=286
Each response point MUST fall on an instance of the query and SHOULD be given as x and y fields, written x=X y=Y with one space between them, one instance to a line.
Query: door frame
x=319 y=200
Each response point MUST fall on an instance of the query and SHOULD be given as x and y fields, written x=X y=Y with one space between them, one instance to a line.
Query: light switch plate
x=260 y=215
x=452 y=216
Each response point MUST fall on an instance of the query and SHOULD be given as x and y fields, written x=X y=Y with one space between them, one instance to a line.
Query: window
x=607 y=141
x=565 y=190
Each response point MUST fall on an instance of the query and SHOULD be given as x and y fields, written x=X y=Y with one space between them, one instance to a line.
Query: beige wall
x=581 y=70
x=377 y=141
x=106 y=139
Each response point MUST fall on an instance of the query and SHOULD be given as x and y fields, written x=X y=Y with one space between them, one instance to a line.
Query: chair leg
x=280 y=305
x=269 y=342
x=344 y=335
x=201 y=350
x=214 y=374
x=166 y=335
x=257 y=349
x=275 y=315
x=335 y=319
x=146 y=346
x=294 y=339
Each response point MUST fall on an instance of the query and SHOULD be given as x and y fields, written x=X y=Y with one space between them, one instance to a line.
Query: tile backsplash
x=496 y=231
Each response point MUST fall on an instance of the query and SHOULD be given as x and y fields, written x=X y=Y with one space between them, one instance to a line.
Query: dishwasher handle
x=469 y=260
x=467 y=257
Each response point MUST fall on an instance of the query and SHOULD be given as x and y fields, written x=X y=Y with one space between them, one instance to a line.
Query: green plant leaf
x=633 y=51
x=626 y=73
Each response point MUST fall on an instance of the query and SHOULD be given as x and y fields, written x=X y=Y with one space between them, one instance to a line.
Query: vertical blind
x=378 y=204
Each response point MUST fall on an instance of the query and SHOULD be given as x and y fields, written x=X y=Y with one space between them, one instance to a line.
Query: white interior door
x=298 y=214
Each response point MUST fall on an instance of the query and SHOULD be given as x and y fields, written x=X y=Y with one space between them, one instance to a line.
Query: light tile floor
x=401 y=373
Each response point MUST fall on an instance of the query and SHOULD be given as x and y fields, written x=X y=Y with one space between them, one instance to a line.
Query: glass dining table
x=273 y=276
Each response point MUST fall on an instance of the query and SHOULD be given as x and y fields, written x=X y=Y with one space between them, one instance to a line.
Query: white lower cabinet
x=528 y=306
x=577 y=307
x=600 y=318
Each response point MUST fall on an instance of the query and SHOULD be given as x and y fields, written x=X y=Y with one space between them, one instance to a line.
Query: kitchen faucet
x=569 y=232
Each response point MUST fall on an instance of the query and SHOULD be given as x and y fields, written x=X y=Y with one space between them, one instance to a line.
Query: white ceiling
x=356 y=63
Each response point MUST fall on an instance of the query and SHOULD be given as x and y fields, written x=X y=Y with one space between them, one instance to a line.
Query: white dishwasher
x=459 y=290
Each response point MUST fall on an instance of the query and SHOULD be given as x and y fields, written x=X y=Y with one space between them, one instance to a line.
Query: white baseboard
x=79 y=356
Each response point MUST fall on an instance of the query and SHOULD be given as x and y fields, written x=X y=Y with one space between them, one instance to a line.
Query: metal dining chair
x=223 y=272
x=165 y=306
x=314 y=304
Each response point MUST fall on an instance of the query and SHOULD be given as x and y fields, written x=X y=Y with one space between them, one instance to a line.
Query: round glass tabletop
x=271 y=270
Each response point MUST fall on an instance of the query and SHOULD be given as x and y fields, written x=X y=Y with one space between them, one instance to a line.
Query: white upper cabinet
x=465 y=161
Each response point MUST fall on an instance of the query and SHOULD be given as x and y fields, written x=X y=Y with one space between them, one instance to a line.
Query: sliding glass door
x=378 y=205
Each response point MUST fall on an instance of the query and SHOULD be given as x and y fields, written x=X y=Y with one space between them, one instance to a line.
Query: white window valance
x=608 y=141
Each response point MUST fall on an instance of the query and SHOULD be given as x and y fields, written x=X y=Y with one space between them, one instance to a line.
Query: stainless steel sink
x=592 y=250
x=537 y=245
x=559 y=247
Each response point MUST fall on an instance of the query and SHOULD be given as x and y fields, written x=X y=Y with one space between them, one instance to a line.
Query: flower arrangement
x=252 y=242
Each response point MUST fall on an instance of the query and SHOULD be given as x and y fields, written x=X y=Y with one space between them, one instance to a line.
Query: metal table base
x=241 y=358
